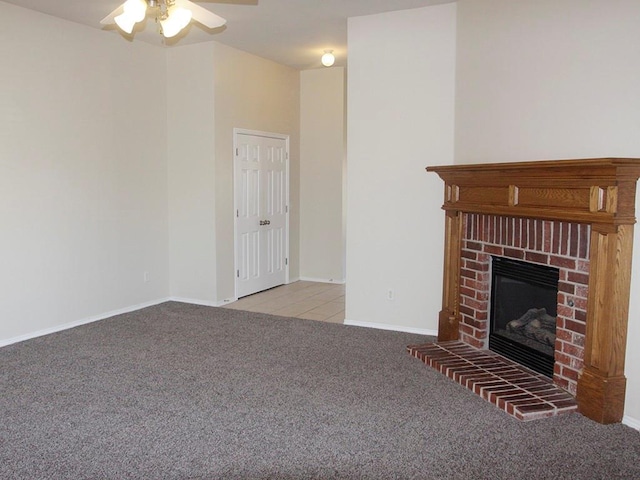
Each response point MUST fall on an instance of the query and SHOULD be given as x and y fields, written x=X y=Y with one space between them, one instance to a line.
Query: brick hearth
x=511 y=387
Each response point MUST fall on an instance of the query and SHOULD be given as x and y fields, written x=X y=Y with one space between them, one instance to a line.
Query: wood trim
x=449 y=317
x=582 y=191
x=599 y=192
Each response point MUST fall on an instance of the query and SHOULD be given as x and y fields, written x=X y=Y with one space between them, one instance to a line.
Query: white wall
x=212 y=89
x=549 y=79
x=400 y=119
x=113 y=169
x=82 y=173
x=191 y=157
x=254 y=94
x=322 y=174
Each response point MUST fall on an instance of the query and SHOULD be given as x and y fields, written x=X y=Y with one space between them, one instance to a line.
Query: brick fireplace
x=558 y=244
x=574 y=215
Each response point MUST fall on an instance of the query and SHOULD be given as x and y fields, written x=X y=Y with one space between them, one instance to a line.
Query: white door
x=261 y=172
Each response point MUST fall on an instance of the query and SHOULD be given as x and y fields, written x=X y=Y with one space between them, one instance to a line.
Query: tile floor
x=309 y=300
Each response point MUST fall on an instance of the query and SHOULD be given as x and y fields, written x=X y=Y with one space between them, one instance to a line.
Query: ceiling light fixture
x=172 y=15
x=176 y=19
x=328 y=59
x=134 y=12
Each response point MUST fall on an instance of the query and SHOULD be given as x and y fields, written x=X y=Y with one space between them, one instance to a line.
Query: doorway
x=261 y=201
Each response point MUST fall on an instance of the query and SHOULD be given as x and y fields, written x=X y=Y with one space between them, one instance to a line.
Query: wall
x=82 y=174
x=113 y=169
x=322 y=174
x=401 y=119
x=192 y=181
x=543 y=79
x=271 y=104
x=212 y=89
x=547 y=79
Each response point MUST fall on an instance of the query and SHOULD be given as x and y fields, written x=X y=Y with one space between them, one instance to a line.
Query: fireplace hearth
x=574 y=215
x=523 y=313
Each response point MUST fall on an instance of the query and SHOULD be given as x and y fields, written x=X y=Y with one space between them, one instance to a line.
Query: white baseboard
x=226 y=301
x=204 y=303
x=396 y=328
x=631 y=422
x=77 y=323
x=323 y=280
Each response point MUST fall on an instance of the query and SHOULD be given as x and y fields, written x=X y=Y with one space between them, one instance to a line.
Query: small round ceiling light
x=328 y=59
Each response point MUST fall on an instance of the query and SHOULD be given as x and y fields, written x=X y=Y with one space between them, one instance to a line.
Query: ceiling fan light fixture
x=125 y=22
x=136 y=8
x=134 y=11
x=177 y=19
x=171 y=15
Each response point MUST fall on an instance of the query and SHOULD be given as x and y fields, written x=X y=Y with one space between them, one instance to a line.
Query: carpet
x=178 y=391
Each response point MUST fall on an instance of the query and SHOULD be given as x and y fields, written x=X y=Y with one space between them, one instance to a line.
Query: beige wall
x=322 y=174
x=212 y=89
x=83 y=184
x=548 y=79
x=271 y=104
x=116 y=166
x=400 y=119
x=191 y=173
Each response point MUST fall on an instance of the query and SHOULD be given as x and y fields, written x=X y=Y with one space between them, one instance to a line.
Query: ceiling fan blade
x=109 y=19
x=202 y=15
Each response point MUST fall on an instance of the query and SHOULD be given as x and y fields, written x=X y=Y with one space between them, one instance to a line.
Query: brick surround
x=561 y=245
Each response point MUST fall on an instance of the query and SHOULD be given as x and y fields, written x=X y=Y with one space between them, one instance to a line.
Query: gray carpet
x=185 y=392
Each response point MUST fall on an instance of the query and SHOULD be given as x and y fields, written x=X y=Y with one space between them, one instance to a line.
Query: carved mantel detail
x=599 y=192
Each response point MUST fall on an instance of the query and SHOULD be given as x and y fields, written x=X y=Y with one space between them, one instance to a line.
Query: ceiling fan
x=171 y=15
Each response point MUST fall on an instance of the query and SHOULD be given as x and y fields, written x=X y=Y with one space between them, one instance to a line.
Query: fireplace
x=523 y=313
x=508 y=210
x=527 y=247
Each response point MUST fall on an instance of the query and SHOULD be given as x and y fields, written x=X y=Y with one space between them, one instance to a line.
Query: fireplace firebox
x=524 y=300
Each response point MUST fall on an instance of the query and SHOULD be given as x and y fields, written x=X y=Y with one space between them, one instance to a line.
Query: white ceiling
x=290 y=32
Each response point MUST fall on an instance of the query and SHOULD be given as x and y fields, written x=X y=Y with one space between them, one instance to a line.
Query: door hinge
x=237 y=152
x=286 y=209
x=237 y=213
x=286 y=261
x=238 y=273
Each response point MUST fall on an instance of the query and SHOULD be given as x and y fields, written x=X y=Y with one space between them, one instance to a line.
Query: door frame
x=236 y=261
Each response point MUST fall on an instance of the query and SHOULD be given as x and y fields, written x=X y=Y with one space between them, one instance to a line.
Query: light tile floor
x=309 y=300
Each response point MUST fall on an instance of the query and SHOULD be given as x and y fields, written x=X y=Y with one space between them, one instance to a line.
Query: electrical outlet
x=145 y=277
x=391 y=295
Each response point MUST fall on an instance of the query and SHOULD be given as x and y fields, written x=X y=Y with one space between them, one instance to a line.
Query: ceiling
x=290 y=32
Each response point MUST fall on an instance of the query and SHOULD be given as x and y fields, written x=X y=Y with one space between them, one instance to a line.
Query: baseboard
x=323 y=280
x=396 y=328
x=204 y=303
x=631 y=422
x=77 y=323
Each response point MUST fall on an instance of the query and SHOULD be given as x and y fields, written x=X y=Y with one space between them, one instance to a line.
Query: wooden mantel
x=599 y=192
